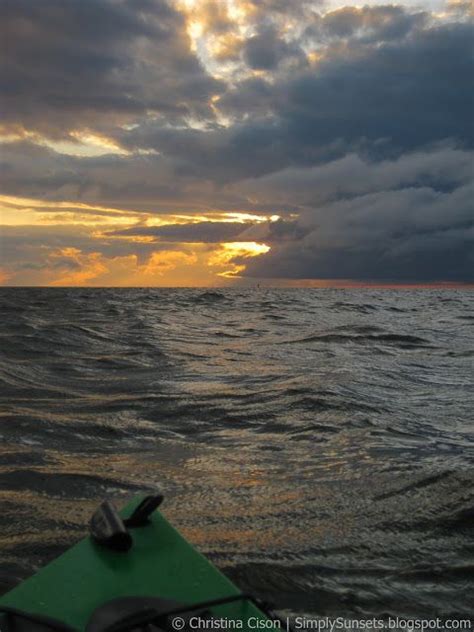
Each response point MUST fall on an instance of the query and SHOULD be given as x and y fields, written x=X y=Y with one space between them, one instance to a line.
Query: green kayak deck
x=161 y=563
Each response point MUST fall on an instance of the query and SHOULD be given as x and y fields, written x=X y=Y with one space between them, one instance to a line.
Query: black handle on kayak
x=109 y=529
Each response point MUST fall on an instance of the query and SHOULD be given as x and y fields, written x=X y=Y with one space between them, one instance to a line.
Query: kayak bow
x=136 y=572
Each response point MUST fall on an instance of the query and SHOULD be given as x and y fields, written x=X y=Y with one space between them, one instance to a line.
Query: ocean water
x=317 y=445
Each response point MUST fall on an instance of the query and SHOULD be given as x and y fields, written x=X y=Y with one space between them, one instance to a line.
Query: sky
x=236 y=142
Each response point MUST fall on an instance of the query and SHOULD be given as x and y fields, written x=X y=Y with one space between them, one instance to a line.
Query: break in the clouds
x=200 y=142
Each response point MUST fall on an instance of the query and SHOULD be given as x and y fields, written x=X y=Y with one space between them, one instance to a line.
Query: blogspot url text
x=324 y=624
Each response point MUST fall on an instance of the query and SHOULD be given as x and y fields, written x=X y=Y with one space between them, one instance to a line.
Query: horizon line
x=297 y=284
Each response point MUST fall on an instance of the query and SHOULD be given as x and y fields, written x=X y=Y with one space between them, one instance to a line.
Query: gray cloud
x=367 y=24
x=441 y=167
x=141 y=182
x=204 y=232
x=266 y=49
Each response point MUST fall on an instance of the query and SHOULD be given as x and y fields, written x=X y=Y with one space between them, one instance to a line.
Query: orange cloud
x=162 y=262
x=18 y=211
x=231 y=255
x=4 y=276
x=92 y=254
x=190 y=265
x=84 y=267
x=96 y=269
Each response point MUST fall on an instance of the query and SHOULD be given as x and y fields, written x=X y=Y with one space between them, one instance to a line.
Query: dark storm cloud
x=442 y=168
x=350 y=249
x=410 y=92
x=382 y=99
x=383 y=221
x=69 y=64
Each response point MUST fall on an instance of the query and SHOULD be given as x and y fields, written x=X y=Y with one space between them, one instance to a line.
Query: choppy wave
x=317 y=444
x=400 y=340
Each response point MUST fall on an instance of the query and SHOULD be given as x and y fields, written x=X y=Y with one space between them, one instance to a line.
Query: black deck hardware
x=141 y=516
x=108 y=529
